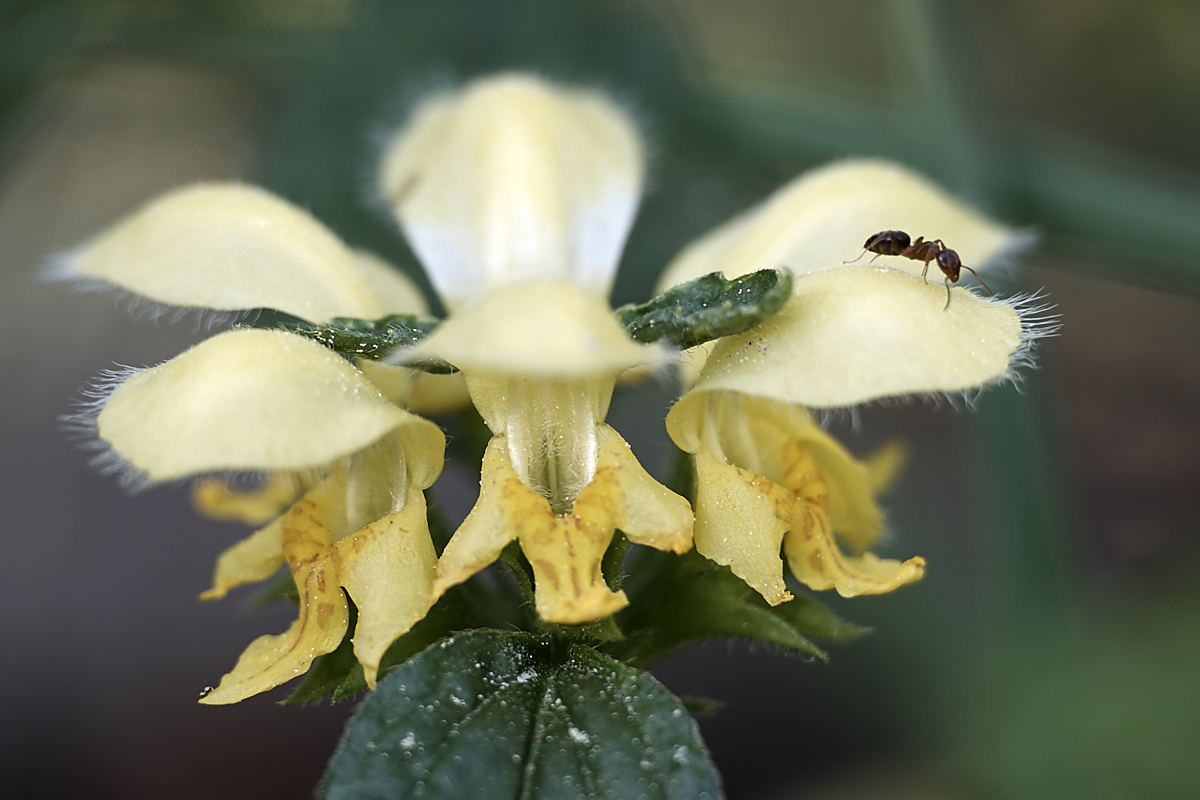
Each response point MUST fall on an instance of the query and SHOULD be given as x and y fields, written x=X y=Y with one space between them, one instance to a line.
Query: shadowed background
x=1051 y=650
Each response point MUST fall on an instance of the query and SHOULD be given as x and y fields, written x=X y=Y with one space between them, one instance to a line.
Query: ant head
x=888 y=243
x=949 y=263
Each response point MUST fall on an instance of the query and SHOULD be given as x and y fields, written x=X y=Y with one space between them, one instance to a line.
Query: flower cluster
x=517 y=196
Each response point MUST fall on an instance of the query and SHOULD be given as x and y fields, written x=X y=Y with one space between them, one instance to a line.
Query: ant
x=897 y=243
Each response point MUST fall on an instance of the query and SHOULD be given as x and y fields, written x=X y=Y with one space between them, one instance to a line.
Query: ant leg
x=981 y=283
x=925 y=271
x=947 y=306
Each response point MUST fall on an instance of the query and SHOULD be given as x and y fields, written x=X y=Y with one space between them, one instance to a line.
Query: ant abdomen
x=888 y=243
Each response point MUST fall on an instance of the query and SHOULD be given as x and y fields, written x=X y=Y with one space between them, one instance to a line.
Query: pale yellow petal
x=485 y=532
x=816 y=561
x=420 y=392
x=424 y=447
x=646 y=511
x=255 y=558
x=397 y=294
x=766 y=474
x=885 y=464
x=245 y=399
x=512 y=179
x=324 y=614
x=438 y=394
x=566 y=551
x=740 y=523
x=854 y=334
x=215 y=498
x=388 y=568
x=228 y=247
x=550 y=428
x=766 y=437
x=822 y=219
x=378 y=480
x=539 y=329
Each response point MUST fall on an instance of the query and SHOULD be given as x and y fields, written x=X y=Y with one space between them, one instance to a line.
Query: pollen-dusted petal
x=216 y=499
x=646 y=511
x=397 y=294
x=388 y=568
x=324 y=614
x=513 y=179
x=817 y=562
x=228 y=247
x=822 y=219
x=565 y=551
x=858 y=333
x=245 y=400
x=740 y=523
x=539 y=329
x=768 y=438
x=253 y=559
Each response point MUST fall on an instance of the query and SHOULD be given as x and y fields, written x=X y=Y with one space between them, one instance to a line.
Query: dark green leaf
x=678 y=601
x=707 y=308
x=366 y=338
x=499 y=715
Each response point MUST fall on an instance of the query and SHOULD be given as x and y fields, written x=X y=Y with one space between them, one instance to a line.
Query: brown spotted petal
x=272 y=660
x=566 y=550
x=768 y=476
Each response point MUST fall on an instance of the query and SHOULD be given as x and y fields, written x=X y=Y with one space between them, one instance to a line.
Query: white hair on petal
x=58 y=269
x=82 y=427
x=1037 y=322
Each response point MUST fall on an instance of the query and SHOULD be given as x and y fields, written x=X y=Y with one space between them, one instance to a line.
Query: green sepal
x=503 y=715
x=678 y=601
x=352 y=337
x=707 y=308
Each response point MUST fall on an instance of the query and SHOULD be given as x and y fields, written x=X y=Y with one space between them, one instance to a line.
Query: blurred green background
x=1054 y=648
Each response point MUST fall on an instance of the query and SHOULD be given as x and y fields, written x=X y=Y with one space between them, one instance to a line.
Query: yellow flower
x=517 y=196
x=274 y=402
x=850 y=334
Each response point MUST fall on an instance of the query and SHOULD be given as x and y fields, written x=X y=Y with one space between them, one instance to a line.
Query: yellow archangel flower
x=517 y=196
x=851 y=333
x=335 y=442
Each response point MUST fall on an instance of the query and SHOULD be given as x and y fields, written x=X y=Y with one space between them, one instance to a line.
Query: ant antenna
x=976 y=274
